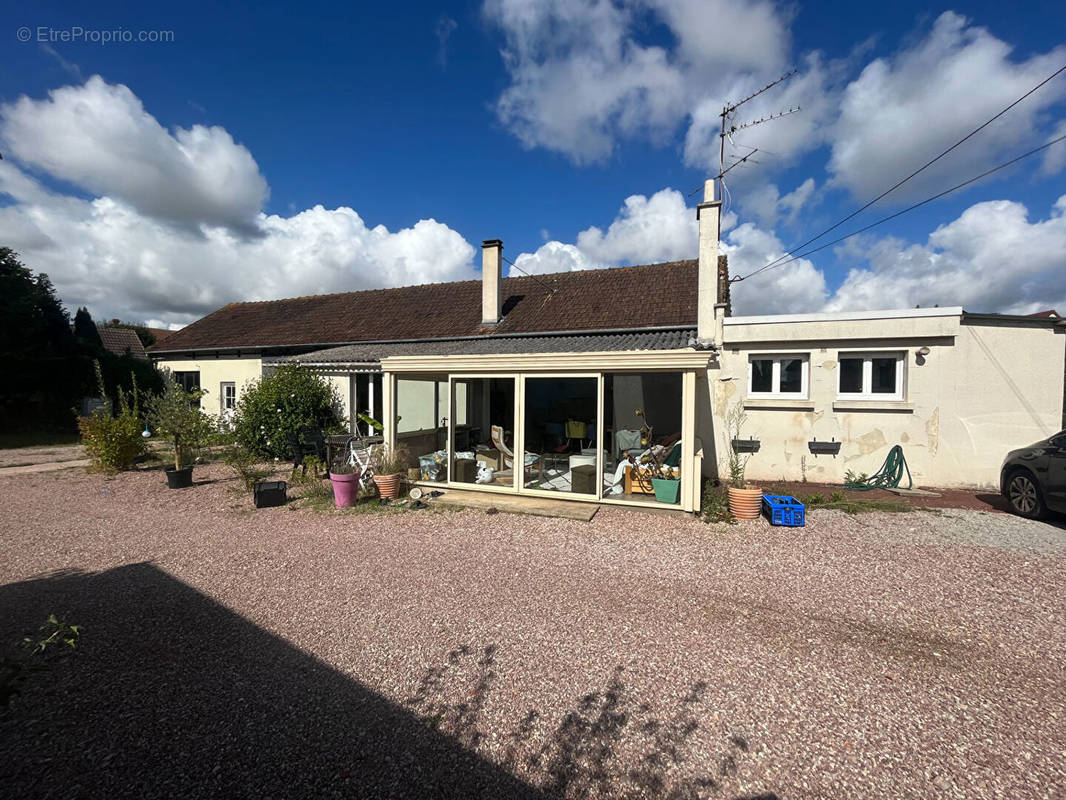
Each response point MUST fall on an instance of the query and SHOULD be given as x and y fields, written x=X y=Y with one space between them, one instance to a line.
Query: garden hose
x=888 y=477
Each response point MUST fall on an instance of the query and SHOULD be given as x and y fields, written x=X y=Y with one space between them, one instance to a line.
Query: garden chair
x=532 y=460
x=308 y=442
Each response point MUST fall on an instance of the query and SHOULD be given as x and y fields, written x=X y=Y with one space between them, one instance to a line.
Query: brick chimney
x=491 y=277
x=710 y=307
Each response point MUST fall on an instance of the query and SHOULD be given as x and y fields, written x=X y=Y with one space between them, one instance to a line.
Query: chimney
x=491 y=277
x=709 y=306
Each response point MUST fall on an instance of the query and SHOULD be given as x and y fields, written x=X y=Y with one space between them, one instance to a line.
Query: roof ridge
x=532 y=276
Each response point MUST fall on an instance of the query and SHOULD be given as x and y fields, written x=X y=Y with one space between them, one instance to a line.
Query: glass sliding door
x=421 y=424
x=560 y=423
x=482 y=426
x=642 y=422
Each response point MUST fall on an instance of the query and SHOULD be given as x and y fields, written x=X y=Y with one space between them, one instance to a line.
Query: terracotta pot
x=388 y=486
x=745 y=503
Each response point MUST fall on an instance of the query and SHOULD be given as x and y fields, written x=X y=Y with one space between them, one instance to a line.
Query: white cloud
x=1055 y=156
x=989 y=259
x=646 y=230
x=789 y=289
x=99 y=137
x=582 y=78
x=174 y=228
x=767 y=204
x=902 y=111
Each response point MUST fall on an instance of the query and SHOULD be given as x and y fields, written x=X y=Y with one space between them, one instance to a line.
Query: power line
x=547 y=286
x=986 y=173
x=930 y=162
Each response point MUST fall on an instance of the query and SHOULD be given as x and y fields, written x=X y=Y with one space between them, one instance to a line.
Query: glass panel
x=483 y=410
x=791 y=376
x=851 y=376
x=762 y=375
x=560 y=433
x=420 y=428
x=884 y=375
x=642 y=435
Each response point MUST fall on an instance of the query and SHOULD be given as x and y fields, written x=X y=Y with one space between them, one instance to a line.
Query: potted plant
x=745 y=502
x=390 y=464
x=175 y=414
x=345 y=479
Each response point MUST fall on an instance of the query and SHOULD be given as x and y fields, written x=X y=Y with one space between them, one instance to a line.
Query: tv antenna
x=728 y=128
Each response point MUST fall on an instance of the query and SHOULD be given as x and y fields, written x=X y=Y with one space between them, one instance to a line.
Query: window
x=871 y=376
x=228 y=393
x=778 y=376
x=189 y=381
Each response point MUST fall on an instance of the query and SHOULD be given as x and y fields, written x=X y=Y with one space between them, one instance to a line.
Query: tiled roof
x=120 y=340
x=583 y=343
x=656 y=295
x=160 y=333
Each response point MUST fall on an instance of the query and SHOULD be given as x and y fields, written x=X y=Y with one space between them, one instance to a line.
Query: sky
x=161 y=162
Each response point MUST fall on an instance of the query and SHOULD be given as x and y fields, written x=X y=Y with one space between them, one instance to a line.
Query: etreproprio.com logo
x=46 y=34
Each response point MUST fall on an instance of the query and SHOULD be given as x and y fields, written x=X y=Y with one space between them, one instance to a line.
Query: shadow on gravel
x=610 y=744
x=172 y=695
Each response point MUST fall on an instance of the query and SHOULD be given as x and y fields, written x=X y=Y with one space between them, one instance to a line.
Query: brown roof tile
x=121 y=340
x=626 y=297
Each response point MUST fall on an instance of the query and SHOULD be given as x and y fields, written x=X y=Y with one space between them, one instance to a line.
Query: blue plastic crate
x=783 y=510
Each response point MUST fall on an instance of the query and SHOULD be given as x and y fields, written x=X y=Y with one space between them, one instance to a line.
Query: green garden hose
x=888 y=477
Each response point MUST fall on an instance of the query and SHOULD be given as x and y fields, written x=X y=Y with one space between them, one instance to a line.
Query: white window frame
x=223 y=385
x=867 y=392
x=775 y=381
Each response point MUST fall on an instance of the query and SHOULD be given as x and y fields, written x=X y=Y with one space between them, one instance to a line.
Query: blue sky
x=573 y=131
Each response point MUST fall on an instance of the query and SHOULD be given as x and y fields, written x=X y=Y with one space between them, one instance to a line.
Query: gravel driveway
x=281 y=653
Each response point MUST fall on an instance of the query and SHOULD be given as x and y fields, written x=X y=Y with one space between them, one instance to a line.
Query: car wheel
x=1023 y=494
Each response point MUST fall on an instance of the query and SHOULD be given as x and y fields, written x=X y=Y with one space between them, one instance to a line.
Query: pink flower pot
x=345 y=489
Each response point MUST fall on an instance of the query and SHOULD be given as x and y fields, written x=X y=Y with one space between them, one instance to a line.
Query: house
x=543 y=385
x=122 y=341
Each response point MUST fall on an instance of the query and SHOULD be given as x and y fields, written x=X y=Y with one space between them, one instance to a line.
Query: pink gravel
x=281 y=652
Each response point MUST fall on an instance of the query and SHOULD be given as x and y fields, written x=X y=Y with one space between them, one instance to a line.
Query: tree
x=43 y=373
x=175 y=414
x=85 y=329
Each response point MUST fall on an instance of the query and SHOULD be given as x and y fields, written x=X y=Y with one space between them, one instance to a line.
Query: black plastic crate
x=269 y=493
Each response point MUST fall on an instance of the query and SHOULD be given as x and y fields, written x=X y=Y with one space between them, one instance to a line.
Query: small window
x=228 y=393
x=871 y=376
x=778 y=376
x=189 y=381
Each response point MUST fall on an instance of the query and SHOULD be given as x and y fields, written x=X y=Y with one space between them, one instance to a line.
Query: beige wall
x=343 y=384
x=214 y=371
x=983 y=389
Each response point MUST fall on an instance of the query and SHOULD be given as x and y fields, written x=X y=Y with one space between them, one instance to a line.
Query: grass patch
x=838 y=501
x=9 y=441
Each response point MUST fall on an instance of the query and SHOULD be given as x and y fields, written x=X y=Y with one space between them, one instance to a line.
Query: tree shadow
x=171 y=694
x=609 y=744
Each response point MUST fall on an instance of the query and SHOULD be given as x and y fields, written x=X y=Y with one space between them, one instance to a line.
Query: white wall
x=984 y=389
x=214 y=371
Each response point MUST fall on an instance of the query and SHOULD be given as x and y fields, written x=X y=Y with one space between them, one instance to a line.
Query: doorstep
x=515 y=504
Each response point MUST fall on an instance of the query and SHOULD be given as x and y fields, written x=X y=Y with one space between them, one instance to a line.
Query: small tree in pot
x=745 y=502
x=176 y=416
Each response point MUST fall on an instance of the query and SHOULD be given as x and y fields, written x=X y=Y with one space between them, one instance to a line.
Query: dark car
x=1033 y=479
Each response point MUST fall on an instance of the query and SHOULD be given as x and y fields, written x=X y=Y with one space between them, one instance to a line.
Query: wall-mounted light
x=920 y=354
x=923 y=351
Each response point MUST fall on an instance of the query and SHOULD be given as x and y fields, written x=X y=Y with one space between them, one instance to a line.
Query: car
x=1033 y=479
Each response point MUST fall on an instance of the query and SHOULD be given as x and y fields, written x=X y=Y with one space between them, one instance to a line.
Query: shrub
x=273 y=408
x=715 y=504
x=247 y=467
x=176 y=416
x=113 y=442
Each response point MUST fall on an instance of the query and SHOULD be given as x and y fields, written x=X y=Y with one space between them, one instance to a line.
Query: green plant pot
x=666 y=490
